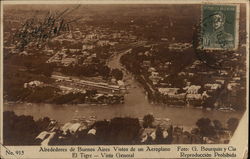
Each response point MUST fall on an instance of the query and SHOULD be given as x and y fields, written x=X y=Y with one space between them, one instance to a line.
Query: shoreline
x=89 y=126
x=7 y=103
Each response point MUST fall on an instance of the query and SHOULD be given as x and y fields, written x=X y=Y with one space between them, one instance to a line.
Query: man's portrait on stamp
x=219 y=27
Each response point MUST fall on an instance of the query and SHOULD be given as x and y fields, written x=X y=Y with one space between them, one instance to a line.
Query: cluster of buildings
x=82 y=90
x=69 y=84
x=104 y=93
x=196 y=84
x=179 y=46
x=89 y=44
x=84 y=45
x=162 y=131
x=33 y=84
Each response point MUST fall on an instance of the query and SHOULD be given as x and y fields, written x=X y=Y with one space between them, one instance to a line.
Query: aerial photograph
x=123 y=74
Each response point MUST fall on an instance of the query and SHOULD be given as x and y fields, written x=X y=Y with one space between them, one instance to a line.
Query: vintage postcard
x=124 y=79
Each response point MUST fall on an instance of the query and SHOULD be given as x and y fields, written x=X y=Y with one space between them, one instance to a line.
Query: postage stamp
x=220 y=26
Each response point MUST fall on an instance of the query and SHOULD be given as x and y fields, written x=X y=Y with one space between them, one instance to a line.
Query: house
x=147 y=53
x=69 y=61
x=223 y=72
x=164 y=39
x=180 y=96
x=113 y=43
x=140 y=54
x=214 y=86
x=121 y=83
x=220 y=81
x=148 y=133
x=46 y=137
x=182 y=73
x=92 y=131
x=87 y=47
x=191 y=74
x=72 y=127
x=33 y=84
x=205 y=95
x=116 y=35
x=162 y=122
x=102 y=42
x=194 y=97
x=232 y=85
x=167 y=64
x=151 y=69
x=155 y=78
x=168 y=91
x=73 y=50
x=193 y=89
x=91 y=36
x=154 y=74
x=146 y=63
x=236 y=78
x=173 y=97
x=77 y=34
x=57 y=57
x=197 y=62
x=69 y=36
x=132 y=37
x=49 y=52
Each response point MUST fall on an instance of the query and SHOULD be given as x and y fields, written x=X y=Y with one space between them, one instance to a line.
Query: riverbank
x=103 y=112
x=116 y=131
x=136 y=105
x=179 y=78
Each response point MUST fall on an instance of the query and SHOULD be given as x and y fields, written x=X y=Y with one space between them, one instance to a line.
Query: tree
x=232 y=124
x=102 y=131
x=117 y=74
x=19 y=130
x=169 y=138
x=104 y=71
x=91 y=93
x=42 y=124
x=176 y=81
x=206 y=128
x=217 y=125
x=159 y=135
x=124 y=130
x=148 y=121
x=45 y=69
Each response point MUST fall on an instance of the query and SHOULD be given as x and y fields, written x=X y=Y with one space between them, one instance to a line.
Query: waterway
x=136 y=105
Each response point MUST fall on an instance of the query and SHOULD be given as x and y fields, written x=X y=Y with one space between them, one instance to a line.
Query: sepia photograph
x=123 y=74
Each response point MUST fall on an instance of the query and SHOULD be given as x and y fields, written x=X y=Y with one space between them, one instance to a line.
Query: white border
x=1 y=76
x=124 y=1
x=30 y=149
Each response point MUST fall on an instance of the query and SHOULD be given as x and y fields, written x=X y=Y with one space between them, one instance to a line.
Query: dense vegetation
x=23 y=130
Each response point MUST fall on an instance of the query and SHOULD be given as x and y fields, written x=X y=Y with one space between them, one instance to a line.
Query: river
x=136 y=105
